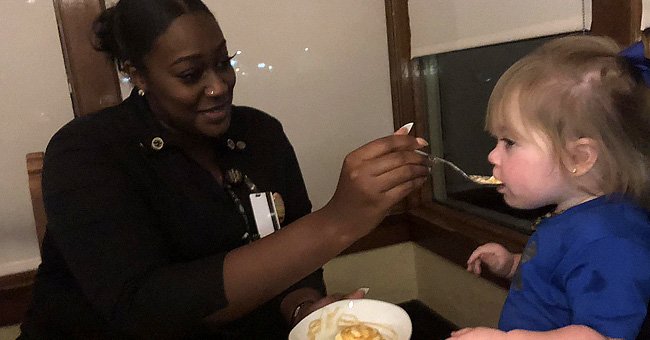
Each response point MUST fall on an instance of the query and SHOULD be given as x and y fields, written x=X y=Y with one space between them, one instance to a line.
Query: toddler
x=572 y=125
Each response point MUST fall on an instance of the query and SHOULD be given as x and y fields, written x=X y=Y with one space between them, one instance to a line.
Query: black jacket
x=136 y=236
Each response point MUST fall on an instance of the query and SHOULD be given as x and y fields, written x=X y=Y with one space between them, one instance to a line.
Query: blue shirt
x=589 y=266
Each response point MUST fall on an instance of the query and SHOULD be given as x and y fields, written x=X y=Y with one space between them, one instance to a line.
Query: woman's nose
x=215 y=85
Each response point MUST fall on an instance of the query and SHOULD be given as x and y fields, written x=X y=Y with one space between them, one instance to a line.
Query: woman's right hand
x=375 y=177
x=495 y=257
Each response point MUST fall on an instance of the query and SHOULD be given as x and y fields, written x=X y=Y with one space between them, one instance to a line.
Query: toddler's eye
x=508 y=142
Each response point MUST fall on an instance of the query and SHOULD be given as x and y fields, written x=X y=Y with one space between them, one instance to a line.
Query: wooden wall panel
x=618 y=19
x=401 y=79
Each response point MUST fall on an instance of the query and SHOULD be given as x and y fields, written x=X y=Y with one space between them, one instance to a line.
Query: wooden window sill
x=445 y=231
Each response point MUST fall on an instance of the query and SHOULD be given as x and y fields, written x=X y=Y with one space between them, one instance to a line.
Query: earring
x=141 y=92
x=574 y=170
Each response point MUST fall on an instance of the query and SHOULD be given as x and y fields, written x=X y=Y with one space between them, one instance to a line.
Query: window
x=457 y=86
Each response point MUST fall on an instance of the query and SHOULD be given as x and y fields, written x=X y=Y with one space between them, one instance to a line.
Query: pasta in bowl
x=362 y=319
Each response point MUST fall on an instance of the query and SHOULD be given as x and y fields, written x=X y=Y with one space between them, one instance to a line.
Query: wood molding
x=454 y=234
x=92 y=77
x=445 y=231
x=393 y=230
x=399 y=58
x=15 y=297
x=618 y=19
x=401 y=77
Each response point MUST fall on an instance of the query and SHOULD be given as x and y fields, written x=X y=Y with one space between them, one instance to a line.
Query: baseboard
x=13 y=304
x=21 y=266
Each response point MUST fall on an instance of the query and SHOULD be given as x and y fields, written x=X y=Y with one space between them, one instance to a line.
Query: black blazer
x=137 y=234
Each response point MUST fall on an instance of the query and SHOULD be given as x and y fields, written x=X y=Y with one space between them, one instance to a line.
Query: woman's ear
x=584 y=154
x=137 y=78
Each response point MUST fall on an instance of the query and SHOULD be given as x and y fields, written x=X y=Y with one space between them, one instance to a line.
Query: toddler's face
x=523 y=160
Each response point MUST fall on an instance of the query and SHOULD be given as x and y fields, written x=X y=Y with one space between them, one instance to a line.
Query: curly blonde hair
x=575 y=87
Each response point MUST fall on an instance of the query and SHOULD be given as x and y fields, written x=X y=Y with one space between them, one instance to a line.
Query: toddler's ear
x=584 y=154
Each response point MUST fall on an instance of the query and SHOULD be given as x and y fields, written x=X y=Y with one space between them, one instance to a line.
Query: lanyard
x=234 y=177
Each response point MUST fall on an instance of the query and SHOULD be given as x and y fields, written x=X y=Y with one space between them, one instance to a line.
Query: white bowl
x=365 y=310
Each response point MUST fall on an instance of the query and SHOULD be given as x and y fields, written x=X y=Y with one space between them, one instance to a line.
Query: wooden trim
x=92 y=77
x=14 y=303
x=453 y=235
x=399 y=58
x=17 y=280
x=393 y=230
x=445 y=231
x=15 y=297
x=618 y=19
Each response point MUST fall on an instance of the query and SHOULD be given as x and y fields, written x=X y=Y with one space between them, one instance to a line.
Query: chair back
x=35 y=173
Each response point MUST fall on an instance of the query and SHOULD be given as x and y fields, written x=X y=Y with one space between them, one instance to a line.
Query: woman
x=150 y=231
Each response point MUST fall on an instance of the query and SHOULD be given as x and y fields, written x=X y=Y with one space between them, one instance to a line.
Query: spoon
x=478 y=179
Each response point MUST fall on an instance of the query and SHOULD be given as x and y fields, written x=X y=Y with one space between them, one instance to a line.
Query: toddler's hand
x=495 y=257
x=477 y=333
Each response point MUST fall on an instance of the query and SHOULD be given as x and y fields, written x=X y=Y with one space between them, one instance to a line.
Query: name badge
x=266 y=217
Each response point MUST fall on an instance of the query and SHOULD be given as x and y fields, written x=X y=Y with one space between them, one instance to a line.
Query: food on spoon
x=485 y=179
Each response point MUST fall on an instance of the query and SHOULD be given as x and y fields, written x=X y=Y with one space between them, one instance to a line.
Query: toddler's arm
x=575 y=332
x=496 y=258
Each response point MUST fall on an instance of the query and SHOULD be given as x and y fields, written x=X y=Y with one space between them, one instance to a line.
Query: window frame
x=450 y=232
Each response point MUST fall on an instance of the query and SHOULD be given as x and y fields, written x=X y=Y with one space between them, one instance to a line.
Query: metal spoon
x=478 y=179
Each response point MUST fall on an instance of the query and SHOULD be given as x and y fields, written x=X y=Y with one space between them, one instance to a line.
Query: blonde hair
x=575 y=87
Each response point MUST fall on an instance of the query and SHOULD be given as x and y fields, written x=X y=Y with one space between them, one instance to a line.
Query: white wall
x=416 y=273
x=331 y=98
x=440 y=25
x=348 y=273
x=34 y=103
x=459 y=296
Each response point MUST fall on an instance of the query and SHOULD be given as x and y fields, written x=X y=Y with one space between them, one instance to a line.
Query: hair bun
x=104 y=36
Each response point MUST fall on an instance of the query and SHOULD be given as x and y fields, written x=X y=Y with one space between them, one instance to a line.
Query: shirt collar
x=149 y=131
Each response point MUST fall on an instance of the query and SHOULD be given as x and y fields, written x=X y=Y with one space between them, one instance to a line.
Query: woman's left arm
x=298 y=300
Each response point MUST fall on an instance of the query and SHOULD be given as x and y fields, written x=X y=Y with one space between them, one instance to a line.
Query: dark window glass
x=457 y=88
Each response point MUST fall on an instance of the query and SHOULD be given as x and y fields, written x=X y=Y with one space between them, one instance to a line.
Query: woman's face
x=188 y=78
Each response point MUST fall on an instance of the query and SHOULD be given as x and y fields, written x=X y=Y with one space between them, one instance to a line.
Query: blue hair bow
x=635 y=55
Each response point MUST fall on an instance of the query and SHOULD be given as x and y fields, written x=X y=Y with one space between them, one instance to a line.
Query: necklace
x=543 y=217
x=558 y=212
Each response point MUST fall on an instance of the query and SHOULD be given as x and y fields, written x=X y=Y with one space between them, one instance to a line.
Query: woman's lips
x=215 y=113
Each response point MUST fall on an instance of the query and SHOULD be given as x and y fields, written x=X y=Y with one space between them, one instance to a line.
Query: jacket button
x=231 y=144
x=157 y=143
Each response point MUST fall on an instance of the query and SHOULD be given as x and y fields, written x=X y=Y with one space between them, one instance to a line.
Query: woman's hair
x=575 y=87
x=127 y=31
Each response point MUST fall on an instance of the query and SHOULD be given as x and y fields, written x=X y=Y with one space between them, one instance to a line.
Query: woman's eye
x=190 y=77
x=225 y=64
